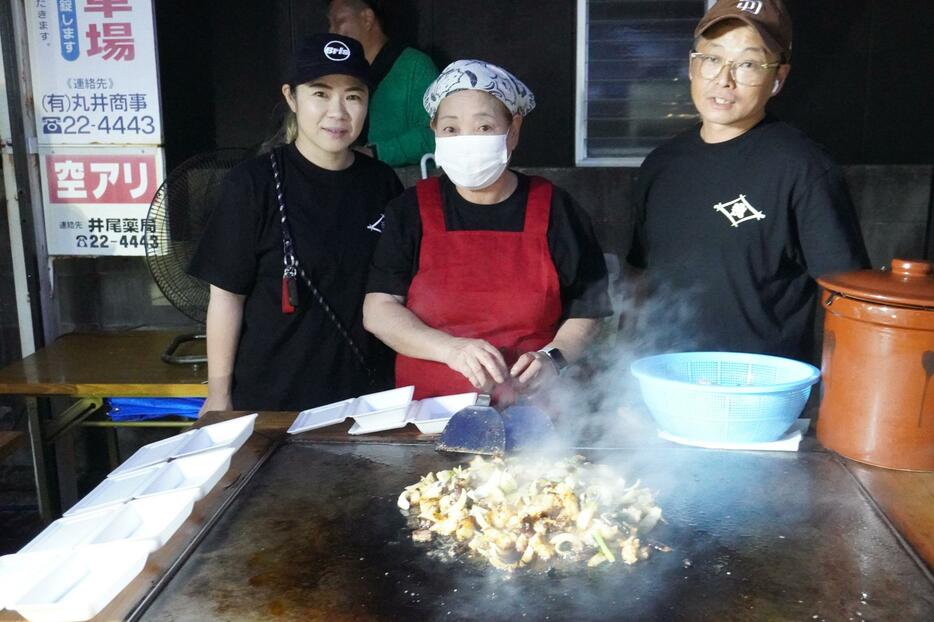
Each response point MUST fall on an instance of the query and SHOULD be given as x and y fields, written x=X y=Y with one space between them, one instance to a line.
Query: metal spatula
x=481 y=429
x=527 y=427
x=476 y=429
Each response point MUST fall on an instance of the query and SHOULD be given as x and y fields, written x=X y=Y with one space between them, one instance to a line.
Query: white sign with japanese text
x=94 y=72
x=97 y=199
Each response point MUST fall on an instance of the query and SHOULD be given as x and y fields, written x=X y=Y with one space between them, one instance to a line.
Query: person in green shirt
x=398 y=132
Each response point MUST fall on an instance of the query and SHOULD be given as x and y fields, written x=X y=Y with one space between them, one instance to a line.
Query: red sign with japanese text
x=100 y=180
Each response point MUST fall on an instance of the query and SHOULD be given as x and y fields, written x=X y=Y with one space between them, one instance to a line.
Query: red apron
x=500 y=286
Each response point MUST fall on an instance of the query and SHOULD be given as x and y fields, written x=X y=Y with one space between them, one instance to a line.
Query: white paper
x=788 y=442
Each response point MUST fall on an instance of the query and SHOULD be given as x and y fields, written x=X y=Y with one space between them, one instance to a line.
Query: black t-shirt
x=574 y=248
x=299 y=360
x=736 y=232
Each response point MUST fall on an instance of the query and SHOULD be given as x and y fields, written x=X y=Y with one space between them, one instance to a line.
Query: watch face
x=557 y=357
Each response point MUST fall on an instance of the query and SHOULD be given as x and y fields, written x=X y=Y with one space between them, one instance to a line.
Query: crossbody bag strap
x=292 y=268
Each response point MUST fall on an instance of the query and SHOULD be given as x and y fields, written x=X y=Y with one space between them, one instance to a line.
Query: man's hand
x=478 y=361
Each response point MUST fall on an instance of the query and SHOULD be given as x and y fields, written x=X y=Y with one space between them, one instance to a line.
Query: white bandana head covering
x=477 y=75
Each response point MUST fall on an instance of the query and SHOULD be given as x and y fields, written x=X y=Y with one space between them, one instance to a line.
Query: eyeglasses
x=745 y=72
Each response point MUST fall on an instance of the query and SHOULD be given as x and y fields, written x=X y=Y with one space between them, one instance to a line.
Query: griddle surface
x=316 y=535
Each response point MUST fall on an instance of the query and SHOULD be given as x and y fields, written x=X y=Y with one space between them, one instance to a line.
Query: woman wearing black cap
x=287 y=249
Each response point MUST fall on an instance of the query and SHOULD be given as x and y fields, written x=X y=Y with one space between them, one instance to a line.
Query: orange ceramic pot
x=877 y=365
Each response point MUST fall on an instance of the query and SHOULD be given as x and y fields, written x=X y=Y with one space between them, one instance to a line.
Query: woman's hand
x=532 y=370
x=225 y=317
x=219 y=401
x=477 y=360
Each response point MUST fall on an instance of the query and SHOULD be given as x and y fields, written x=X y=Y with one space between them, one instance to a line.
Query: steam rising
x=598 y=404
x=741 y=524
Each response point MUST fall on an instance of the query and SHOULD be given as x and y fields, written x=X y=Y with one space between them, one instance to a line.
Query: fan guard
x=178 y=215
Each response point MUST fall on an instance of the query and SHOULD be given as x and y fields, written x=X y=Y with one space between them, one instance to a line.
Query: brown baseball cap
x=769 y=17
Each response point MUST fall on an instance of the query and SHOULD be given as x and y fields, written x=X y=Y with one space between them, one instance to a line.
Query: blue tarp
x=142 y=408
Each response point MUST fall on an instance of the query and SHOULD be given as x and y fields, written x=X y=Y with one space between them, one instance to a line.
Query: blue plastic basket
x=728 y=397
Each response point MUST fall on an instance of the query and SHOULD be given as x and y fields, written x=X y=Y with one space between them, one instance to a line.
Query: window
x=632 y=77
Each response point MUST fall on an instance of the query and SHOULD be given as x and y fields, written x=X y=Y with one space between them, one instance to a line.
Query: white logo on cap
x=336 y=50
x=750 y=6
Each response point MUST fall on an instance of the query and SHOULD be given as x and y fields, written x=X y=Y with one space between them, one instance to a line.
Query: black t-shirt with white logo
x=299 y=360
x=732 y=235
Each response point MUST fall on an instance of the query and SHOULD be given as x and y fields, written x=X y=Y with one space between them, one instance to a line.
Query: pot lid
x=907 y=282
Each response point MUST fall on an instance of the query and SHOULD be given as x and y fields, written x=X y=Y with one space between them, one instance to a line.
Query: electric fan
x=179 y=212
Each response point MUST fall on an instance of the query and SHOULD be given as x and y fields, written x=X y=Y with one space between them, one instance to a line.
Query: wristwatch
x=556 y=357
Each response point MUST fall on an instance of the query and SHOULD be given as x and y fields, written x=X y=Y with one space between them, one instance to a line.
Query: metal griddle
x=316 y=535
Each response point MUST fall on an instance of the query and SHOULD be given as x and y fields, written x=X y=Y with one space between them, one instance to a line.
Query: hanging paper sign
x=97 y=199
x=94 y=72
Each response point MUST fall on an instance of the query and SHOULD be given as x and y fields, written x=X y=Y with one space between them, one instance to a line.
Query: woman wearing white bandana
x=484 y=278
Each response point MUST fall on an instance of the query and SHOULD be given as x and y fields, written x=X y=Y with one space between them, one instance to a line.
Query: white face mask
x=472 y=162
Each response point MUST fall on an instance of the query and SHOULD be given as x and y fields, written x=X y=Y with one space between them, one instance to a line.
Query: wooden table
x=89 y=367
x=105 y=364
x=902 y=498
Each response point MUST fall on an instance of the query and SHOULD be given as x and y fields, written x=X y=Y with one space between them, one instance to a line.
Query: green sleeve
x=409 y=146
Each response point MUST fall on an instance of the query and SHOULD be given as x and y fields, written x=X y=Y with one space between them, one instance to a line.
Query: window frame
x=580 y=98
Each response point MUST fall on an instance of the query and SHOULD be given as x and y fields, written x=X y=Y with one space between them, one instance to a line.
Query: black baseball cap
x=325 y=54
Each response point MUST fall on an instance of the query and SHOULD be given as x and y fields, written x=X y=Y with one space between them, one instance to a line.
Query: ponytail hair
x=287 y=132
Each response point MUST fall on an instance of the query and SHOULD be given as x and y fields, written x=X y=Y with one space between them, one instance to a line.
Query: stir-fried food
x=516 y=513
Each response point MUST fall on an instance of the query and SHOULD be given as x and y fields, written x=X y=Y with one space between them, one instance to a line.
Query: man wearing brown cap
x=740 y=214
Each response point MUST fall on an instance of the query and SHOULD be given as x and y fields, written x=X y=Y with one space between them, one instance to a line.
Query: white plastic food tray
x=433 y=413
x=385 y=411
x=199 y=472
x=82 y=584
x=373 y=412
x=322 y=416
x=231 y=433
x=18 y=573
x=152 y=520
